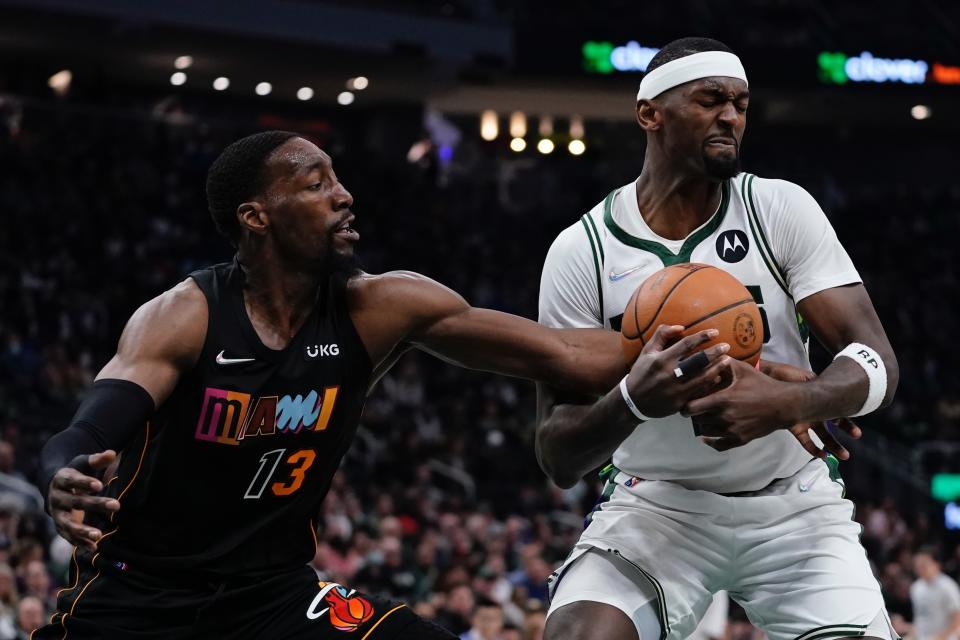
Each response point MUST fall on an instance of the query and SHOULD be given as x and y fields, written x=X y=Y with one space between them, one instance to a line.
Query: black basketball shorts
x=112 y=601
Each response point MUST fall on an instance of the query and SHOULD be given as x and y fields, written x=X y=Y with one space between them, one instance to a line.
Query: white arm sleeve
x=568 y=285
x=802 y=239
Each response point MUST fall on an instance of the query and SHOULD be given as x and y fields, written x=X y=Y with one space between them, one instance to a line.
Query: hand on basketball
x=755 y=404
x=73 y=492
x=801 y=431
x=654 y=386
x=749 y=405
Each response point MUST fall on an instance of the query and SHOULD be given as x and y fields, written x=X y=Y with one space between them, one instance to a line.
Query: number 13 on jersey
x=289 y=479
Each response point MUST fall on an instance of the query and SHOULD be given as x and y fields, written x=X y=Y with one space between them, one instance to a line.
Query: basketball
x=696 y=296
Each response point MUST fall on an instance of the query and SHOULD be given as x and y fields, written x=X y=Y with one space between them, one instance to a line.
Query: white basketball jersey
x=772 y=236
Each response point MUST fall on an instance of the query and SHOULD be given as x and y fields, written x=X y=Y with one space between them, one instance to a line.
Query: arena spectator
x=30 y=615
x=457 y=609
x=936 y=599
x=8 y=603
x=486 y=623
x=37 y=584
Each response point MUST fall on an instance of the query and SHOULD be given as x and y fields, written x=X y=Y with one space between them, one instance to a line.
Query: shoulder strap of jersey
x=596 y=246
x=760 y=237
x=766 y=252
x=214 y=282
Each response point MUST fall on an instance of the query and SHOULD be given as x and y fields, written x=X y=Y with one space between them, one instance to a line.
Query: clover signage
x=833 y=67
x=839 y=68
x=604 y=57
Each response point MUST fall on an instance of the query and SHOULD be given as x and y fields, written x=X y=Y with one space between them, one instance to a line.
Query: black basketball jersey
x=228 y=476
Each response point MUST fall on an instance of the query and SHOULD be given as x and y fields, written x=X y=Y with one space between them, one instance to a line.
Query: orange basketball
x=696 y=296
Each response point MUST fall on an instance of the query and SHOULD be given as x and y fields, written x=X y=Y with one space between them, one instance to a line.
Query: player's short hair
x=237 y=175
x=684 y=47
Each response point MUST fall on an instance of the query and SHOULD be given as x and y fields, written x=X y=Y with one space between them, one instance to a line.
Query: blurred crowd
x=440 y=501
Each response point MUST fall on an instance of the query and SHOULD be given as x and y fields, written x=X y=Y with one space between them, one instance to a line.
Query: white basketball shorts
x=789 y=554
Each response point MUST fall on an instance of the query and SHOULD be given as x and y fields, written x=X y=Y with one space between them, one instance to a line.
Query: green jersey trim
x=597 y=259
x=766 y=253
x=596 y=235
x=661 y=596
x=834 y=466
x=746 y=193
x=834 y=631
x=666 y=256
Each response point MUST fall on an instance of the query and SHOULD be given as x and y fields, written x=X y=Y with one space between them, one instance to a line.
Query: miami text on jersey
x=225 y=416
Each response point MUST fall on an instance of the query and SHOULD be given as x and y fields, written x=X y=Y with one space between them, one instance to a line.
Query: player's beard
x=340 y=266
x=723 y=167
x=343 y=267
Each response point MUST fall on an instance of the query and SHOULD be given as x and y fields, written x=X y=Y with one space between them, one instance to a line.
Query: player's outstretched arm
x=163 y=338
x=407 y=308
x=577 y=433
x=754 y=405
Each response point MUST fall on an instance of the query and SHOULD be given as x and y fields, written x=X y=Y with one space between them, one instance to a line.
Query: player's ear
x=252 y=217
x=648 y=115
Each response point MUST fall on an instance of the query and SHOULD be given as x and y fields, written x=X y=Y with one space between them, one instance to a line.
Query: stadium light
x=359 y=83
x=221 y=83
x=576 y=128
x=60 y=82
x=545 y=146
x=576 y=147
x=304 y=93
x=518 y=144
x=345 y=98
x=178 y=78
x=183 y=62
x=263 y=89
x=489 y=127
x=546 y=126
x=518 y=124
x=920 y=112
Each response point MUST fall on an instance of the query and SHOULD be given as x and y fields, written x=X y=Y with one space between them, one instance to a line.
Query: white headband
x=693 y=67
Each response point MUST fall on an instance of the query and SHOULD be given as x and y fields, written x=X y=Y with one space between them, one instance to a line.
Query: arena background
x=111 y=112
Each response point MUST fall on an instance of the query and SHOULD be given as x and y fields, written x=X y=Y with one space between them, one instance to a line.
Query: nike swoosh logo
x=623 y=274
x=222 y=360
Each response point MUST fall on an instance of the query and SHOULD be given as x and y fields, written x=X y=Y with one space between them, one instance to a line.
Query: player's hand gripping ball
x=696 y=296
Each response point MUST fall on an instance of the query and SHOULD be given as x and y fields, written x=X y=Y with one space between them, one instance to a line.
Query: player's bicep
x=550 y=398
x=161 y=340
x=841 y=315
x=557 y=411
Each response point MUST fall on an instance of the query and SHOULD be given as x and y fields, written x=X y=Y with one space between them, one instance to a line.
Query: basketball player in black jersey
x=233 y=397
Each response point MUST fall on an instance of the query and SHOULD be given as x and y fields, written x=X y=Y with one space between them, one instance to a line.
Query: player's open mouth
x=347 y=232
x=722 y=142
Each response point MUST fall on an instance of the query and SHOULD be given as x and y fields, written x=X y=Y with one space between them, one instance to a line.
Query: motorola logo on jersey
x=227 y=417
x=732 y=245
x=315 y=351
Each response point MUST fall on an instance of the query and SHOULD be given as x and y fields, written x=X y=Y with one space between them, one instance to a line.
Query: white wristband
x=630 y=404
x=872 y=363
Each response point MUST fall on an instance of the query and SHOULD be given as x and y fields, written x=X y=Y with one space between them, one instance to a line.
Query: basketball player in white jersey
x=734 y=502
